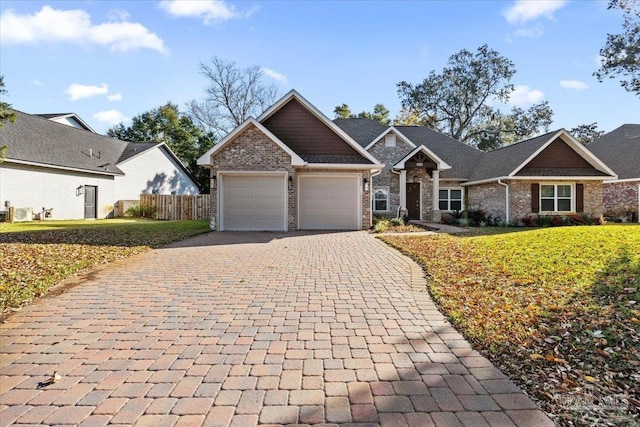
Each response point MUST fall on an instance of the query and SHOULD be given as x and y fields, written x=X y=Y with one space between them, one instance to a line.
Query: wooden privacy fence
x=174 y=207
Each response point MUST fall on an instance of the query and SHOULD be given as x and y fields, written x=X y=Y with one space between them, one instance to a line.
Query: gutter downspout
x=506 y=199
x=378 y=172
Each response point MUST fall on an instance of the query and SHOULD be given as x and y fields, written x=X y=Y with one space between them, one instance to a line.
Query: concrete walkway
x=251 y=328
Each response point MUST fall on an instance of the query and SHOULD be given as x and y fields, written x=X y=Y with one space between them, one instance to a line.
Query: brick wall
x=389 y=156
x=488 y=197
x=251 y=150
x=620 y=198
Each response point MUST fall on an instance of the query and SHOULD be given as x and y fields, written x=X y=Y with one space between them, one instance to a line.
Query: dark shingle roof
x=503 y=161
x=135 y=148
x=38 y=140
x=460 y=156
x=363 y=131
x=620 y=150
x=456 y=154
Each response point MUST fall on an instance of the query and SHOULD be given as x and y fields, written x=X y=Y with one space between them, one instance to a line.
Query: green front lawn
x=556 y=308
x=36 y=255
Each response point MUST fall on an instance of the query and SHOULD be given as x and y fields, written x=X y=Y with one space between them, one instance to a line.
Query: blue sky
x=111 y=60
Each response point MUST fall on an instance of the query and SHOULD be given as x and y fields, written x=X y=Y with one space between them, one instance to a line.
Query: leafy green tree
x=380 y=113
x=343 y=112
x=586 y=133
x=6 y=115
x=166 y=124
x=460 y=101
x=621 y=52
x=232 y=96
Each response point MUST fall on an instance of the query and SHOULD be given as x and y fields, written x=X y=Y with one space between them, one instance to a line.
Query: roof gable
x=36 y=140
x=620 y=150
x=205 y=159
x=554 y=154
x=309 y=133
x=69 y=119
x=390 y=129
x=441 y=164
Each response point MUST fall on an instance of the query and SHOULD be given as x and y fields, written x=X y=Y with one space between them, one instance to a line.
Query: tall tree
x=380 y=113
x=343 y=112
x=621 y=52
x=586 y=133
x=6 y=115
x=233 y=94
x=460 y=100
x=166 y=124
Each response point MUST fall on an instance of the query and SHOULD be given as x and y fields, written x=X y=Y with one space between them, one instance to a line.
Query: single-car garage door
x=329 y=202
x=253 y=202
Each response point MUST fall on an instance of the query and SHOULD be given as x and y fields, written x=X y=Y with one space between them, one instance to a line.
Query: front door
x=90 y=198
x=413 y=200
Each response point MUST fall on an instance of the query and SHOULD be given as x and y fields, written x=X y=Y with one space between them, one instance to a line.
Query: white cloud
x=275 y=75
x=36 y=82
x=77 y=91
x=74 y=26
x=524 y=95
x=114 y=97
x=573 y=84
x=209 y=10
x=111 y=117
x=531 y=33
x=527 y=10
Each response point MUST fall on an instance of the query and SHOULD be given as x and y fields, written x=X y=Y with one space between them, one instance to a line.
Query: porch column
x=435 y=176
x=403 y=190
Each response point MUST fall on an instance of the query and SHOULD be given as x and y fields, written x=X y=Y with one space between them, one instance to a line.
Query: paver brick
x=305 y=332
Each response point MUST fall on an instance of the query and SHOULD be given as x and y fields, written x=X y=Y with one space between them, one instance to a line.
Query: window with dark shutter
x=579 y=197
x=535 y=198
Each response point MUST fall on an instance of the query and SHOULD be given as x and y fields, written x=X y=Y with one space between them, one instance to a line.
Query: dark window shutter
x=535 y=198
x=579 y=197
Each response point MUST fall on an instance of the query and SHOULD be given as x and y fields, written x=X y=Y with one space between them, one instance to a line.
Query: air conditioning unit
x=22 y=214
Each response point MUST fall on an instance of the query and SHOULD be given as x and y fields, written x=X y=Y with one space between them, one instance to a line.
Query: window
x=381 y=199
x=556 y=198
x=450 y=199
x=390 y=140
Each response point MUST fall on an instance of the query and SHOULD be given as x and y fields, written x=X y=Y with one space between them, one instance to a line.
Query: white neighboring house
x=57 y=162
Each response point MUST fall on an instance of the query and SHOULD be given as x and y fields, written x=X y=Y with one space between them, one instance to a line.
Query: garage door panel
x=253 y=202
x=329 y=203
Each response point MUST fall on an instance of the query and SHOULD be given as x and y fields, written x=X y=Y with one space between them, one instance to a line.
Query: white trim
x=70 y=115
x=386 y=131
x=388 y=199
x=441 y=164
x=462 y=206
x=220 y=193
x=343 y=166
x=620 y=181
x=301 y=176
x=535 y=178
x=313 y=110
x=576 y=146
x=65 y=168
x=205 y=159
x=555 y=197
x=403 y=189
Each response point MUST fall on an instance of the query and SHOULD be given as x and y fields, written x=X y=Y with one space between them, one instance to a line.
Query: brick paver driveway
x=251 y=328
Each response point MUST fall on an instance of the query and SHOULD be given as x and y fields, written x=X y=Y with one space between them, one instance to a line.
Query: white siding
x=34 y=187
x=67 y=121
x=152 y=171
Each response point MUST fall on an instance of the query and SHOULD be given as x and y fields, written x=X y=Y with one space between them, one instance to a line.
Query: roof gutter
x=358 y=166
x=65 y=168
x=506 y=199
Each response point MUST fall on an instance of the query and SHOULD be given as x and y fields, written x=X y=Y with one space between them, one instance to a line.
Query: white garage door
x=329 y=203
x=253 y=202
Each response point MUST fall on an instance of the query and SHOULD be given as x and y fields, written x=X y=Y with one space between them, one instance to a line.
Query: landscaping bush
x=477 y=216
x=396 y=222
x=141 y=211
x=381 y=225
x=529 y=220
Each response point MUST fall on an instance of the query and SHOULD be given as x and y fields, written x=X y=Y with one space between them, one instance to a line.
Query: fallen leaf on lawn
x=590 y=379
x=536 y=356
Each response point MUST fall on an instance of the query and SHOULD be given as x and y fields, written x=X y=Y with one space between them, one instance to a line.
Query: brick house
x=620 y=149
x=293 y=168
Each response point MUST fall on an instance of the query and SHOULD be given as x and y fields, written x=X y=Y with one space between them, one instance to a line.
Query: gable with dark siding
x=558 y=159
x=309 y=137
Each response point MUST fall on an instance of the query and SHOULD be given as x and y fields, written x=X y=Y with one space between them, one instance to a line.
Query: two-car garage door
x=259 y=202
